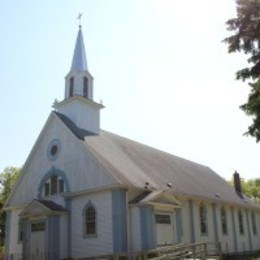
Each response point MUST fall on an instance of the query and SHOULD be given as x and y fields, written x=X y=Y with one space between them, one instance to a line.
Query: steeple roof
x=79 y=61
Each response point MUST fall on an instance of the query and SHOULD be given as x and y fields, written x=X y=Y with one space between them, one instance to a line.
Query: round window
x=53 y=149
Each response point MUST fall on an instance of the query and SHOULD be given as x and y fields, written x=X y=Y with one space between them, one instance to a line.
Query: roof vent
x=217 y=195
x=169 y=184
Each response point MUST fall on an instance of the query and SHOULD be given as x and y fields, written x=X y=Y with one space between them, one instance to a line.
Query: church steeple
x=79 y=81
x=78 y=104
x=79 y=61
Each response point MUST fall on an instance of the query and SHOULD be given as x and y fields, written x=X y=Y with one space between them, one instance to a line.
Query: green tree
x=251 y=188
x=246 y=39
x=7 y=179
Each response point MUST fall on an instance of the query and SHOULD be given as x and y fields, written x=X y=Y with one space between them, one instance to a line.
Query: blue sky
x=160 y=68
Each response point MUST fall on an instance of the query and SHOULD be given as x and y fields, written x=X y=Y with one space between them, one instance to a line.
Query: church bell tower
x=78 y=104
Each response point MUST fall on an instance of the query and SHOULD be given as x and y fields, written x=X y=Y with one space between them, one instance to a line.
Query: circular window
x=53 y=149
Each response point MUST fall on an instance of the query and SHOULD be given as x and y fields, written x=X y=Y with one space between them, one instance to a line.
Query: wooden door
x=37 y=241
x=164 y=229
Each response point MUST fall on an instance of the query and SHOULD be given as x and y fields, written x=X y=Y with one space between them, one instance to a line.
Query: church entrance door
x=37 y=241
x=164 y=229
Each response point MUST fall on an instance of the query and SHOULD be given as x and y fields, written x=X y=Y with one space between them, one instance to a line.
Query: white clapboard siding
x=135 y=229
x=14 y=246
x=242 y=240
x=227 y=242
x=186 y=227
x=103 y=242
x=210 y=235
x=63 y=237
x=81 y=168
x=256 y=238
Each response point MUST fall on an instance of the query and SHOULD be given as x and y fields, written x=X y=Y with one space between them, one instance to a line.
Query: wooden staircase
x=204 y=251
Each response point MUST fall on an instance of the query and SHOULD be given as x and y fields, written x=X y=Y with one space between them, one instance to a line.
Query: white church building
x=85 y=192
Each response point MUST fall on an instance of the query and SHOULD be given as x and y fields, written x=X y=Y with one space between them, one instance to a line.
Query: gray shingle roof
x=139 y=165
x=52 y=205
x=79 y=132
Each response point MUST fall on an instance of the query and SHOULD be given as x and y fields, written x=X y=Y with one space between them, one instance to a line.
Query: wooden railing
x=192 y=251
x=39 y=256
x=179 y=252
x=174 y=252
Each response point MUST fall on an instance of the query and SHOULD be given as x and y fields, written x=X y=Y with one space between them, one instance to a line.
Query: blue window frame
x=89 y=220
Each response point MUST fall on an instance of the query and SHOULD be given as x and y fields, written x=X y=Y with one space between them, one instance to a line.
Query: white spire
x=78 y=104
x=79 y=61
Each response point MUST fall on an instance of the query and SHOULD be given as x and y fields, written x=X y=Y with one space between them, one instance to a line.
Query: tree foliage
x=251 y=188
x=246 y=39
x=7 y=179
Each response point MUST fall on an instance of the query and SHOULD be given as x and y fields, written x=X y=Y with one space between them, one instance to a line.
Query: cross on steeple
x=79 y=18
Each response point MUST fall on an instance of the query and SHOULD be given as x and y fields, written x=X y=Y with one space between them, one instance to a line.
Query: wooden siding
x=135 y=229
x=255 y=238
x=82 y=170
x=103 y=242
x=227 y=241
x=14 y=247
x=82 y=112
x=242 y=239
x=63 y=237
x=186 y=222
x=210 y=226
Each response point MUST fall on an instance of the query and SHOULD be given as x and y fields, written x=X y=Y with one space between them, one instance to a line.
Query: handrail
x=196 y=250
x=170 y=252
x=179 y=251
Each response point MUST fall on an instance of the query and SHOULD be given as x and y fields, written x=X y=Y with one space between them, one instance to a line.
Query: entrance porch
x=40 y=230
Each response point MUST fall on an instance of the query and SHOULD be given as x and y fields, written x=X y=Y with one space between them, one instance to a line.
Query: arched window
x=53 y=185
x=85 y=87
x=223 y=216
x=253 y=223
x=90 y=220
x=71 y=89
x=54 y=182
x=240 y=222
x=203 y=219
